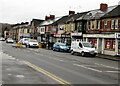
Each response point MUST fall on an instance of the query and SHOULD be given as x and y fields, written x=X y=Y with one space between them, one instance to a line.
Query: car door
x=79 y=48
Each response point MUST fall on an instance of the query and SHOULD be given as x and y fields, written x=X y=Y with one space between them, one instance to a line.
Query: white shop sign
x=117 y=35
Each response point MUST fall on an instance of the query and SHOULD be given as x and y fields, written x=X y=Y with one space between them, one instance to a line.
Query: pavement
x=115 y=58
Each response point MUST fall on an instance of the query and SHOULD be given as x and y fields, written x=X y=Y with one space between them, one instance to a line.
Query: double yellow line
x=61 y=81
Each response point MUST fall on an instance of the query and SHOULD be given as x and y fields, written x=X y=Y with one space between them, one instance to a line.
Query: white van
x=84 y=48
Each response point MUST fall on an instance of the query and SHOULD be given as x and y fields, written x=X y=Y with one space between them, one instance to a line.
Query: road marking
x=87 y=67
x=56 y=59
x=107 y=66
x=112 y=71
x=61 y=81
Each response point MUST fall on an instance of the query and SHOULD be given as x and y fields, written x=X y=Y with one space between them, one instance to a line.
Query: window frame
x=105 y=24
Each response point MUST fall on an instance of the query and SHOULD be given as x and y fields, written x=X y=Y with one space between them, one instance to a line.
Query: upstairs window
x=88 y=25
x=114 y=24
x=92 y=24
x=97 y=24
x=105 y=24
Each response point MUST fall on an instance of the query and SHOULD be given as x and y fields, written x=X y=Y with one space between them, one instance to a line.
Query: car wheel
x=53 y=49
x=29 y=46
x=72 y=52
x=58 y=50
x=83 y=53
x=94 y=55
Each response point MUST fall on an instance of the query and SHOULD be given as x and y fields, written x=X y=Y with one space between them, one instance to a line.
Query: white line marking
x=87 y=67
x=107 y=66
x=112 y=71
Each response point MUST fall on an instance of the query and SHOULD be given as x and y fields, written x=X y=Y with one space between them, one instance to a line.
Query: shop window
x=110 y=44
x=93 y=42
x=118 y=47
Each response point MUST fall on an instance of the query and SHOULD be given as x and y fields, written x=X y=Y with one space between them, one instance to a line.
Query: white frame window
x=114 y=24
x=105 y=24
x=88 y=25
x=93 y=24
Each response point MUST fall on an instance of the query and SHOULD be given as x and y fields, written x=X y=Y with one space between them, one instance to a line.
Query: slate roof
x=69 y=18
x=113 y=13
x=76 y=16
x=49 y=22
x=97 y=14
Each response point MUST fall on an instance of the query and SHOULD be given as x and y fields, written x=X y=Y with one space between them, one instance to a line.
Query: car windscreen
x=87 y=45
x=9 y=39
x=26 y=39
x=34 y=41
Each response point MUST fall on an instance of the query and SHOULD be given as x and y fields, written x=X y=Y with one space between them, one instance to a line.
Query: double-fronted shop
x=108 y=43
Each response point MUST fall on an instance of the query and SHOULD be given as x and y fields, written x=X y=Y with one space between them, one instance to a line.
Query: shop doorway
x=118 y=47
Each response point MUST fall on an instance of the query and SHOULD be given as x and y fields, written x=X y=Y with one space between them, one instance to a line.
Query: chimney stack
x=50 y=17
x=71 y=12
x=46 y=17
x=103 y=6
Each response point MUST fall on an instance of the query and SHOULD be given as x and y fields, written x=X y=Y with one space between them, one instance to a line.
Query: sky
x=17 y=11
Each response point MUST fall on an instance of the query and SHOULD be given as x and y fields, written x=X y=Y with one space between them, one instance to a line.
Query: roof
x=49 y=22
x=98 y=13
x=69 y=18
x=76 y=16
x=62 y=20
x=113 y=13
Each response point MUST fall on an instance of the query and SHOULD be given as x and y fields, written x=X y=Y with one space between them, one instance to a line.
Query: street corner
x=15 y=71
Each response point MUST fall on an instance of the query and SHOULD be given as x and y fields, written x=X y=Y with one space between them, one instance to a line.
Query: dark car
x=60 y=47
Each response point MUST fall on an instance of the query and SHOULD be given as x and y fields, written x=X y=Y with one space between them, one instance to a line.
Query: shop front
x=63 y=38
x=118 y=40
x=118 y=47
x=108 y=44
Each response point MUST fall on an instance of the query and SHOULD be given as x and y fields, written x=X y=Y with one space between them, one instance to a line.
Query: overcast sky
x=16 y=11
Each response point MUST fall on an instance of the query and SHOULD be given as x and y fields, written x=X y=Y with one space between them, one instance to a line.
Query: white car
x=2 y=39
x=24 y=41
x=9 y=40
x=32 y=43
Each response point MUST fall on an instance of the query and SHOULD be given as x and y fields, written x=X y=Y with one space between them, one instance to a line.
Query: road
x=66 y=68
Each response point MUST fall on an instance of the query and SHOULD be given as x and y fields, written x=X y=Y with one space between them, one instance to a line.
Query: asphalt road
x=64 y=67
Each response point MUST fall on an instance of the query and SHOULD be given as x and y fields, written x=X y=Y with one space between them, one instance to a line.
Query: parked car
x=23 y=41
x=60 y=47
x=9 y=40
x=2 y=39
x=32 y=43
x=84 y=48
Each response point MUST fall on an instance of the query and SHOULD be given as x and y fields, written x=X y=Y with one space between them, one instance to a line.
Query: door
x=99 y=48
x=118 y=47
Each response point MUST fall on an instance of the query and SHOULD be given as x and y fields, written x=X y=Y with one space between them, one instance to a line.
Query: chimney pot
x=103 y=6
x=71 y=12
